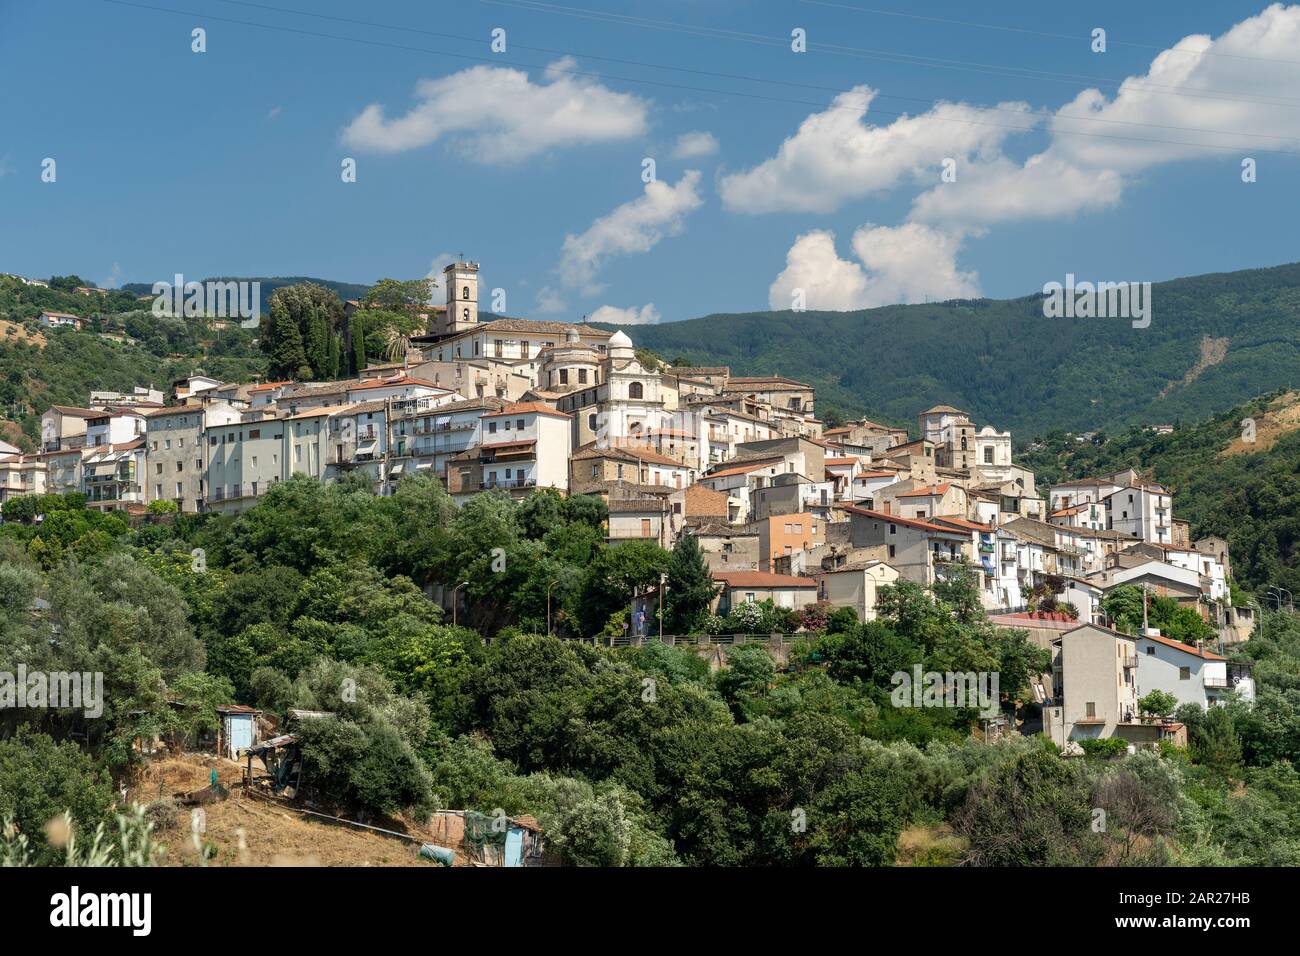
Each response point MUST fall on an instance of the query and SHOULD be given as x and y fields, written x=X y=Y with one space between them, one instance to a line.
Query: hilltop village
x=783 y=507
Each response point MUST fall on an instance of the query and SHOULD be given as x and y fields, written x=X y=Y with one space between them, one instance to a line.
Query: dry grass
x=1281 y=416
x=248 y=831
x=15 y=331
x=929 y=846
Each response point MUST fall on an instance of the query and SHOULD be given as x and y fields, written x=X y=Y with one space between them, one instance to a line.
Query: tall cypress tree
x=332 y=358
x=358 y=344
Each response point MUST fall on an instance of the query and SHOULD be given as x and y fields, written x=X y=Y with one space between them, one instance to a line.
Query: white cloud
x=835 y=156
x=635 y=226
x=695 y=144
x=436 y=265
x=907 y=263
x=114 y=278
x=1045 y=186
x=1229 y=87
x=499 y=115
x=550 y=301
x=646 y=315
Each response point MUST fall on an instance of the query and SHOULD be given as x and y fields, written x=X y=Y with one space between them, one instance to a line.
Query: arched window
x=635 y=390
x=464 y=293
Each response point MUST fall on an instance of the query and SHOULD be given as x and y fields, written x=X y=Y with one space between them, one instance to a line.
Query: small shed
x=238 y=730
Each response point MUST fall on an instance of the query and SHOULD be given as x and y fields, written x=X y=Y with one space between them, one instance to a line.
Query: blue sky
x=228 y=162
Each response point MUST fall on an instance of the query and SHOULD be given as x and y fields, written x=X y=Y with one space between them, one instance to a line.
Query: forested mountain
x=344 y=290
x=1214 y=341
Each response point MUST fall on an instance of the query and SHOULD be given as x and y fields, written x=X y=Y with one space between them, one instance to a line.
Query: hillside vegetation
x=122 y=345
x=1247 y=492
x=1214 y=341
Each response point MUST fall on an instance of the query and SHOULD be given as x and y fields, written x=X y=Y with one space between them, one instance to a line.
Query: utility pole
x=663 y=590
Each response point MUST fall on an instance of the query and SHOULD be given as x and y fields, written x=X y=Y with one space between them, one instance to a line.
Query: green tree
x=690 y=587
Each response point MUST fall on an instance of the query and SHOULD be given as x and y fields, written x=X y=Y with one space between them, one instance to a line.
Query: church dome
x=619 y=340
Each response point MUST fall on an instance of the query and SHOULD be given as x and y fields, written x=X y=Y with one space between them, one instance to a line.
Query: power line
x=1046 y=114
x=888 y=56
x=680 y=86
x=1074 y=38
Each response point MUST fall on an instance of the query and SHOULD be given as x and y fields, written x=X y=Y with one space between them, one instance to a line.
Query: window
x=1151 y=650
x=254 y=433
x=582 y=376
x=492 y=428
x=160 y=468
x=1091 y=708
x=620 y=471
x=179 y=491
x=635 y=390
x=180 y=466
x=893 y=529
x=988 y=455
x=1184 y=673
x=519 y=424
x=595 y=470
x=464 y=293
x=564 y=376
x=891 y=551
x=645 y=527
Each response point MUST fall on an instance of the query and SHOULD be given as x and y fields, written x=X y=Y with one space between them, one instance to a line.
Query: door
x=514 y=855
x=240 y=730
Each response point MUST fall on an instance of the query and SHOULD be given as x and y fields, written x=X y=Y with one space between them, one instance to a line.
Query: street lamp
x=663 y=589
x=453 y=601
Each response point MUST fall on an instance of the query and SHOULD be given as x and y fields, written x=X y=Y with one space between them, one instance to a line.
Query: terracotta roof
x=522 y=443
x=77 y=412
x=963 y=523
x=1179 y=645
x=525 y=408
x=741 y=470
x=761 y=579
x=267 y=386
x=943 y=409
x=400 y=382
x=929 y=491
x=625 y=452
x=909 y=522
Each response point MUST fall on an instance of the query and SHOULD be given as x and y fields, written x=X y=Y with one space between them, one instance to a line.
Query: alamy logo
x=223 y=300
x=961 y=689
x=1101 y=300
x=56 y=690
x=134 y=910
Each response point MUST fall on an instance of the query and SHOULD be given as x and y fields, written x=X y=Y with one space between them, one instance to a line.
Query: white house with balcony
x=1192 y=675
x=526 y=445
x=1144 y=511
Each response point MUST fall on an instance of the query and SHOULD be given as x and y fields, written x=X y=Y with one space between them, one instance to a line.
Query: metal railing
x=704 y=640
x=509 y=483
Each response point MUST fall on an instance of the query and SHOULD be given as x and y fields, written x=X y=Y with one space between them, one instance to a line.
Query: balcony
x=509 y=483
x=444 y=427
x=1217 y=683
x=1129 y=660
